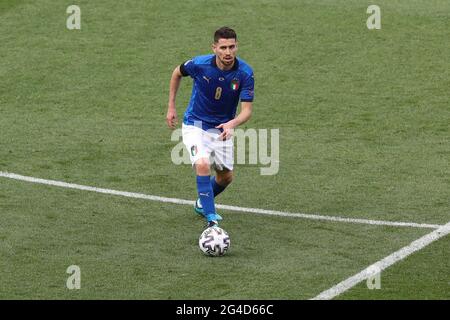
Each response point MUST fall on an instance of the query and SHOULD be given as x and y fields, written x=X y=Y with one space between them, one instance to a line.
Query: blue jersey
x=216 y=93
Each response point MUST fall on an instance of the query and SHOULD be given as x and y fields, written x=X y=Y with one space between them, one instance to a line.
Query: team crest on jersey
x=235 y=84
x=194 y=150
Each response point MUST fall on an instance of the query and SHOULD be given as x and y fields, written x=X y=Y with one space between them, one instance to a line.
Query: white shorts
x=205 y=144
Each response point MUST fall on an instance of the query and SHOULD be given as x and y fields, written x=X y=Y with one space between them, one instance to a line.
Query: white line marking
x=384 y=263
x=93 y=189
x=219 y=206
x=329 y=218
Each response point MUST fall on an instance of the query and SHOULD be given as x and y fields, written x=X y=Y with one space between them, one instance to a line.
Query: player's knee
x=202 y=167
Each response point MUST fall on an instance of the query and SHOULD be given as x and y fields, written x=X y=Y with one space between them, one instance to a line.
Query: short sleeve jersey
x=216 y=93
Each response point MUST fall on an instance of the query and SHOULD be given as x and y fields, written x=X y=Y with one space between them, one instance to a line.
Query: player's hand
x=227 y=132
x=171 y=118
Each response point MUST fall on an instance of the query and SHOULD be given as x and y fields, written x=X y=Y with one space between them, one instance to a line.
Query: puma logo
x=206 y=78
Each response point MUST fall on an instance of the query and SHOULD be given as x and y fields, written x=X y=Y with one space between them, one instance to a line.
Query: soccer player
x=220 y=81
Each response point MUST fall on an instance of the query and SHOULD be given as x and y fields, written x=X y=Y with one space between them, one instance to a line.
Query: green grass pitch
x=364 y=133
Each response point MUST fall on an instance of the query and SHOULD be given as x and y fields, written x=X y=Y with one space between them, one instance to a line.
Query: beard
x=227 y=62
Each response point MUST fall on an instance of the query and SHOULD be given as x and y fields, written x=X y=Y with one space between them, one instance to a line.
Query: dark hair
x=224 y=33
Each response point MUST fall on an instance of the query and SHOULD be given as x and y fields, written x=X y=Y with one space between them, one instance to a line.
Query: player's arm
x=175 y=81
x=243 y=116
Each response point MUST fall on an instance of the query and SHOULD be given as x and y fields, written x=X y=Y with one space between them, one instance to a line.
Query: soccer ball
x=214 y=241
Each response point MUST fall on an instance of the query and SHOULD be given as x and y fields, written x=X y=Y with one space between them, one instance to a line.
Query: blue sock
x=217 y=188
x=206 y=195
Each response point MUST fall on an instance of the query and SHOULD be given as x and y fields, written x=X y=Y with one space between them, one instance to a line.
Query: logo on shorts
x=194 y=150
x=235 y=84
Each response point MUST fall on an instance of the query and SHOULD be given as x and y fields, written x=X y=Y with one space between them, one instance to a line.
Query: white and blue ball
x=214 y=241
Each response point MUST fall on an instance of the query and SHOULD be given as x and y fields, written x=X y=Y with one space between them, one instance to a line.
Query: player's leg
x=222 y=179
x=199 y=152
x=223 y=159
x=205 y=190
x=219 y=182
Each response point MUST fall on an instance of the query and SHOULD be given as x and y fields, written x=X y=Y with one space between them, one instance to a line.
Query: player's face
x=225 y=50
